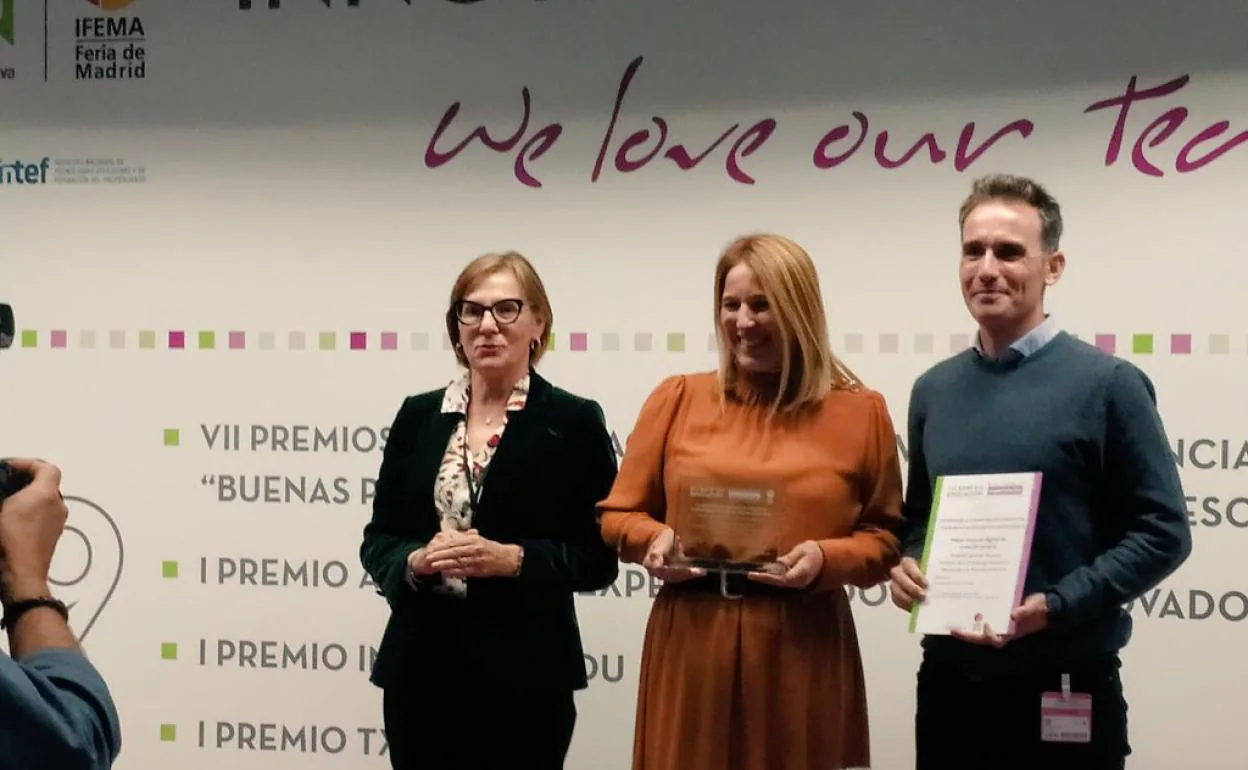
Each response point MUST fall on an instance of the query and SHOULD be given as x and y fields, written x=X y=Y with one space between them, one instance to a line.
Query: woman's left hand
x=804 y=564
x=473 y=556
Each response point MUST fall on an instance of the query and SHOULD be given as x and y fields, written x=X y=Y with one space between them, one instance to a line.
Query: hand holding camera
x=32 y=518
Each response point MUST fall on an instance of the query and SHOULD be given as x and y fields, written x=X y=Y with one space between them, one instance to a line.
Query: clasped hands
x=907 y=586
x=464 y=555
x=663 y=561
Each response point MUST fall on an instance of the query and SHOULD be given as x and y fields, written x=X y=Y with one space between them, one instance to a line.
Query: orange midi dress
x=772 y=680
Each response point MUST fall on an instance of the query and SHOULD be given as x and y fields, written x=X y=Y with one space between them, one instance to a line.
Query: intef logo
x=110 y=47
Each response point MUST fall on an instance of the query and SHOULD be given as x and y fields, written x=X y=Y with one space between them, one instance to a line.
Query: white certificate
x=975 y=556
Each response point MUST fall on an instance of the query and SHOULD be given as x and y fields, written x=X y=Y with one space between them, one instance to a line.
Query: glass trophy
x=728 y=527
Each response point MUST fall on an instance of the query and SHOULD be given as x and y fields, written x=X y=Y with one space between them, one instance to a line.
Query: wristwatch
x=13 y=611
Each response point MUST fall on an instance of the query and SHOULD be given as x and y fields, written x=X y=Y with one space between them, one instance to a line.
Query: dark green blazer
x=552 y=466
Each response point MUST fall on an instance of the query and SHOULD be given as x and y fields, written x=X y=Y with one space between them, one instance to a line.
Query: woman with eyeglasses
x=483 y=529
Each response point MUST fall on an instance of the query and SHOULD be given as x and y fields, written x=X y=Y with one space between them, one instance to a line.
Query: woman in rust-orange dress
x=760 y=672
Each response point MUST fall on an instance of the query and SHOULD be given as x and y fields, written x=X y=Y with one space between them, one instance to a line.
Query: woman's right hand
x=417 y=560
x=659 y=557
x=417 y=563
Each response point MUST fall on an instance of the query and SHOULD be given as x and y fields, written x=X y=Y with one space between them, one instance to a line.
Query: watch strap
x=13 y=611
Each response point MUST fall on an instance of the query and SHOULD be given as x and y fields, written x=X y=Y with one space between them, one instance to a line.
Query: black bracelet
x=14 y=611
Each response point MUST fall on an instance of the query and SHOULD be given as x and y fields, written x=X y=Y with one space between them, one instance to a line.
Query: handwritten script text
x=631 y=143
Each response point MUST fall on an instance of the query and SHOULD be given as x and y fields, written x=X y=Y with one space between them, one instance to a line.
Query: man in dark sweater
x=1112 y=520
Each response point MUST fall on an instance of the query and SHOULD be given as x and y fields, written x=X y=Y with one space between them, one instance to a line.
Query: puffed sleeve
x=864 y=557
x=634 y=511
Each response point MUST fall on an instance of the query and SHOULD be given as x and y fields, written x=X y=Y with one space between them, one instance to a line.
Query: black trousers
x=994 y=723
x=448 y=728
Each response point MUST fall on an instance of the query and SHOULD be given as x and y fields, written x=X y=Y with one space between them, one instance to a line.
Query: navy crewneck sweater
x=1112 y=520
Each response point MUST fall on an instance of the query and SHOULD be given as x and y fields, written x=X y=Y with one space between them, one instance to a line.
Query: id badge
x=1065 y=717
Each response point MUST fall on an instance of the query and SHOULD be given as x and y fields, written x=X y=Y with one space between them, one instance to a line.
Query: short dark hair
x=1023 y=190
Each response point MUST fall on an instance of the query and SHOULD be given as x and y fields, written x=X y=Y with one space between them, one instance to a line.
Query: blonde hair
x=787 y=275
x=531 y=287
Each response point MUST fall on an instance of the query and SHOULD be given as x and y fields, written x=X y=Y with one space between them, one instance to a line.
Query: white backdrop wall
x=247 y=244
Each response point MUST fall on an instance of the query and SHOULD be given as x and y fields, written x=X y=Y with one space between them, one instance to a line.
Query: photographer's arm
x=57 y=709
x=55 y=699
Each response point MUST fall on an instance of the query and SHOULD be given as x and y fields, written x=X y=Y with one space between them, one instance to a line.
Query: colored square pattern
x=887 y=343
x=168 y=733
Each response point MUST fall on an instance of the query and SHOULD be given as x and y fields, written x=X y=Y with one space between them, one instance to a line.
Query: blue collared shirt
x=56 y=712
x=1030 y=342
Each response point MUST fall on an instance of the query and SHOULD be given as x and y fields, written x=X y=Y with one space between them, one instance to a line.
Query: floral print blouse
x=452 y=494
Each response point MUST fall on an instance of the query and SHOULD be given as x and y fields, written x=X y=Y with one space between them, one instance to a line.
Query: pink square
x=1105 y=342
x=359 y=340
x=389 y=340
x=238 y=340
x=1181 y=344
x=177 y=340
x=58 y=338
x=578 y=341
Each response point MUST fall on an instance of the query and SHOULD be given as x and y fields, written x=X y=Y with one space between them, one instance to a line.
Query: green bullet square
x=169 y=569
x=147 y=340
x=30 y=338
x=1142 y=343
x=328 y=341
x=676 y=342
x=168 y=733
x=550 y=343
x=169 y=651
x=173 y=437
x=207 y=340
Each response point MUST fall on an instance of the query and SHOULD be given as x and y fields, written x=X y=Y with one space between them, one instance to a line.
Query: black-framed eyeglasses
x=505 y=311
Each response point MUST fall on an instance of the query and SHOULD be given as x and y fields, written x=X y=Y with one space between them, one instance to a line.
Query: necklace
x=489 y=420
